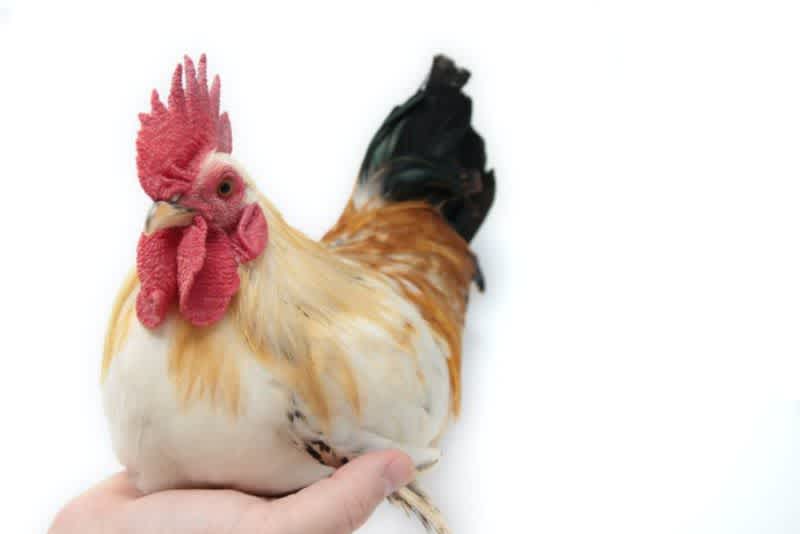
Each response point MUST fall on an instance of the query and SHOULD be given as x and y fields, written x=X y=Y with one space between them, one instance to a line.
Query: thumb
x=342 y=503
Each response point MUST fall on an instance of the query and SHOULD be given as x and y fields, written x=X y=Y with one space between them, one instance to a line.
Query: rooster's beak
x=166 y=215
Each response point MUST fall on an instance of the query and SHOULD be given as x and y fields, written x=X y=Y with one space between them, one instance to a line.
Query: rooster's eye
x=225 y=188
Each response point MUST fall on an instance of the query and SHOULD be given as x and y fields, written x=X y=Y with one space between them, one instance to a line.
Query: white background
x=642 y=256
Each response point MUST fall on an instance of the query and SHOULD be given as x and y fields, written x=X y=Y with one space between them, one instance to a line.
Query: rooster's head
x=204 y=221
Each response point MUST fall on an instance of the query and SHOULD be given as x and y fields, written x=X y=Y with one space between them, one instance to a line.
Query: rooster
x=242 y=354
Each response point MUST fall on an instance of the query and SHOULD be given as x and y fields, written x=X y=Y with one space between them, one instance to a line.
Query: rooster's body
x=321 y=351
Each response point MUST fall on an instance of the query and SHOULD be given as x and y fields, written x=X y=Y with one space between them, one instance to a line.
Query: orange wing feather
x=412 y=244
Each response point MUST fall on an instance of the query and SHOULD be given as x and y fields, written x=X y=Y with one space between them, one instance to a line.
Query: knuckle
x=64 y=521
x=76 y=516
x=256 y=516
x=354 y=510
x=71 y=518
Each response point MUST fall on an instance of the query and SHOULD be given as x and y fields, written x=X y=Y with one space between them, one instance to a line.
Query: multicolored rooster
x=243 y=354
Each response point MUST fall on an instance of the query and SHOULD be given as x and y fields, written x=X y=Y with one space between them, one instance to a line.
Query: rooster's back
x=422 y=193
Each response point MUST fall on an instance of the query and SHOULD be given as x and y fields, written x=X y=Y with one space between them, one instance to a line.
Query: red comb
x=173 y=140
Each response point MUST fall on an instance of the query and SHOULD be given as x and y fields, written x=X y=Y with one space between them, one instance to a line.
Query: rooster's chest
x=193 y=419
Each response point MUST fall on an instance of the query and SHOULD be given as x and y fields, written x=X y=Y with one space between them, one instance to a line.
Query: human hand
x=336 y=505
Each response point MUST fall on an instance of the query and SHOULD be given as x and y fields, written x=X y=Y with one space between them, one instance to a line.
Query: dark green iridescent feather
x=426 y=149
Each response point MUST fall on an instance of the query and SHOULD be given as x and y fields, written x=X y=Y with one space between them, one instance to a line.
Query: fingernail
x=398 y=473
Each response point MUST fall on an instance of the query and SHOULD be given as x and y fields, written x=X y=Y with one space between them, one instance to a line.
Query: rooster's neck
x=297 y=288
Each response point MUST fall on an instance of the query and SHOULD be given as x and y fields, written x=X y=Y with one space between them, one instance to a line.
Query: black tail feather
x=426 y=149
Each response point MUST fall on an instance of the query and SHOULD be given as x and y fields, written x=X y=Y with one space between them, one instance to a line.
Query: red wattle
x=191 y=254
x=152 y=307
x=197 y=266
x=155 y=264
x=207 y=273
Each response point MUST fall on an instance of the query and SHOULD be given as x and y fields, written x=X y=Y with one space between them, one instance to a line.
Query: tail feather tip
x=445 y=73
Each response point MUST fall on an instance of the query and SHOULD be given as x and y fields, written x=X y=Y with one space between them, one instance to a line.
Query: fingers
x=86 y=511
x=337 y=505
x=118 y=487
x=342 y=503
x=190 y=512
